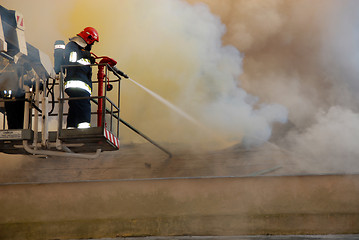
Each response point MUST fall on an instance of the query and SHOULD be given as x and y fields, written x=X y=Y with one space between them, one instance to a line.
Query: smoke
x=329 y=144
x=303 y=55
x=297 y=53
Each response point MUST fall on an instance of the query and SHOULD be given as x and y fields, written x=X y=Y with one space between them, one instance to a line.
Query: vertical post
x=4 y=119
x=45 y=115
x=61 y=103
x=27 y=111
x=105 y=98
x=36 y=115
x=111 y=117
x=119 y=108
x=45 y=121
x=100 y=76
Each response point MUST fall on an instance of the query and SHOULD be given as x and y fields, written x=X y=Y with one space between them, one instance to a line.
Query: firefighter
x=13 y=91
x=78 y=81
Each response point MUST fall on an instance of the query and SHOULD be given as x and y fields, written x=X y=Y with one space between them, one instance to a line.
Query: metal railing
x=36 y=111
x=110 y=114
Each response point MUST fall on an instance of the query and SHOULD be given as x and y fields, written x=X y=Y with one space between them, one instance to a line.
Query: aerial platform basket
x=35 y=137
x=105 y=134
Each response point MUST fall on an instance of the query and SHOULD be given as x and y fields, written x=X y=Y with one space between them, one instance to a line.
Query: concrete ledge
x=169 y=207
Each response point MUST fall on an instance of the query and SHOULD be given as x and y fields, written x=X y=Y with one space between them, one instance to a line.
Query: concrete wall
x=203 y=206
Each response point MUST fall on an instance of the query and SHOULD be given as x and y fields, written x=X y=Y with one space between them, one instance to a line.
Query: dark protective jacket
x=80 y=75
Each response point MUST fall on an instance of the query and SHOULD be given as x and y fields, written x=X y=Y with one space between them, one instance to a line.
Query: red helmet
x=90 y=35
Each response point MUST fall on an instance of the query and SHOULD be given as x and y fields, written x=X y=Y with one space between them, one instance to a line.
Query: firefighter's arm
x=74 y=56
x=74 y=59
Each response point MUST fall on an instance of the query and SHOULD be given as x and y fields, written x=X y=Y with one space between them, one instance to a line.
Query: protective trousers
x=79 y=109
x=15 y=114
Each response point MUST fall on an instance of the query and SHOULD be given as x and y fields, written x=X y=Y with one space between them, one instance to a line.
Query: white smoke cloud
x=305 y=56
x=330 y=143
x=340 y=52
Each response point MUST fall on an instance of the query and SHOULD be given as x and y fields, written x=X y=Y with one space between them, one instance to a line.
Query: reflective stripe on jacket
x=78 y=84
